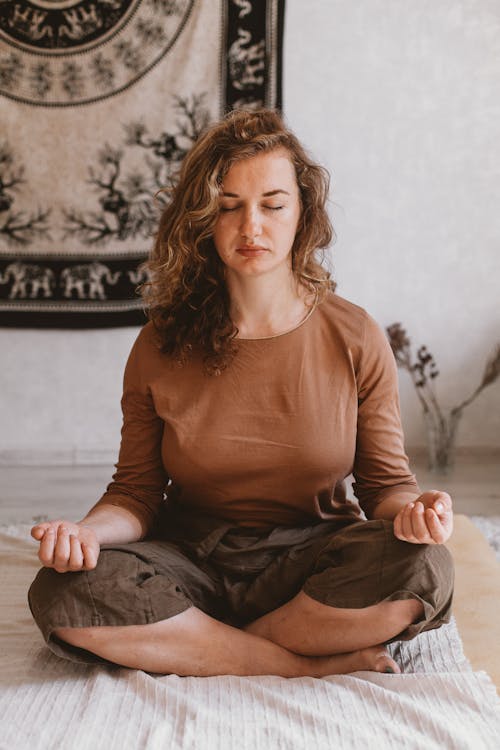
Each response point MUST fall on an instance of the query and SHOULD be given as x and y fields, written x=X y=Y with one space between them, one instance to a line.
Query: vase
x=442 y=430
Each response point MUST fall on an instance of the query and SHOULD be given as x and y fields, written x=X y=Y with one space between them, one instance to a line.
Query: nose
x=251 y=225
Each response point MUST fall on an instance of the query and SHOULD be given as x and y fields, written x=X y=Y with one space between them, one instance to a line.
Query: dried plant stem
x=442 y=426
x=467 y=401
x=406 y=363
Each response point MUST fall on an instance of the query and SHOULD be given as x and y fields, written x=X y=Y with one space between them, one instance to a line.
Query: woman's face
x=258 y=214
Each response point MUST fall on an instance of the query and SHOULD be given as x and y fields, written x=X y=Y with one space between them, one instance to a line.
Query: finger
x=46 y=551
x=90 y=556
x=62 y=549
x=397 y=527
x=75 y=561
x=406 y=524
x=435 y=527
x=443 y=508
x=419 y=526
x=440 y=501
x=39 y=530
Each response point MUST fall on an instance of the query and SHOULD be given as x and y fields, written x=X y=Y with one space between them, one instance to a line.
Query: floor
x=69 y=491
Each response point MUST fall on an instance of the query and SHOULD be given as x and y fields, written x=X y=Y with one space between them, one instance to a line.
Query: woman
x=249 y=396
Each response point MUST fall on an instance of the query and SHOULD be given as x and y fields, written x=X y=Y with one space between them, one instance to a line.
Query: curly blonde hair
x=186 y=296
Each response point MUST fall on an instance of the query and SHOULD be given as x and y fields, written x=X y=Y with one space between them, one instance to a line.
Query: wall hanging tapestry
x=99 y=101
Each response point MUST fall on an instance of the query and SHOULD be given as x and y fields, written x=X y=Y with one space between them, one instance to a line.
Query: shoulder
x=351 y=321
x=145 y=355
x=355 y=328
x=148 y=339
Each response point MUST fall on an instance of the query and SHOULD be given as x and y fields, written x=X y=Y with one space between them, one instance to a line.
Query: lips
x=251 y=251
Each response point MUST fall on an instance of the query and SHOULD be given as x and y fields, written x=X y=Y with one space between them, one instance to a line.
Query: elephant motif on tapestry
x=25 y=275
x=87 y=280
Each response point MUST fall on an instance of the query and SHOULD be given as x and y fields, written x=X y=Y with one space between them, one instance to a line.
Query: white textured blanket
x=437 y=703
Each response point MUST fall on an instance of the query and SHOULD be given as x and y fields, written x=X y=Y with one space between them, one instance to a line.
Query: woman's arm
x=392 y=505
x=67 y=546
x=127 y=510
x=384 y=485
x=112 y=523
x=140 y=480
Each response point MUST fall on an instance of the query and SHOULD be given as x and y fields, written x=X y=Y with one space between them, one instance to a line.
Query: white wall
x=399 y=99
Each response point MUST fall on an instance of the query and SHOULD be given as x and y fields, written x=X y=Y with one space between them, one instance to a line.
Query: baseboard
x=58 y=457
x=108 y=457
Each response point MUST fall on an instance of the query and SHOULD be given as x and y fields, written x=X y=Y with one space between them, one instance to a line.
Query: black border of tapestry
x=99 y=289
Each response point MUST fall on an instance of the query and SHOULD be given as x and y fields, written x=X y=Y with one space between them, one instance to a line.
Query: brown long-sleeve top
x=271 y=439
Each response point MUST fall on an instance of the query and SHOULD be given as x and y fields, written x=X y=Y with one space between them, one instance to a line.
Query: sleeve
x=140 y=478
x=381 y=467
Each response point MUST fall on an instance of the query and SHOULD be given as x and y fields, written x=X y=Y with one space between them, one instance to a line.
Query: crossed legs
x=302 y=637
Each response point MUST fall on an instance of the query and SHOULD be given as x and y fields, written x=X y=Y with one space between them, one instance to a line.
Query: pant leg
x=365 y=564
x=351 y=566
x=132 y=584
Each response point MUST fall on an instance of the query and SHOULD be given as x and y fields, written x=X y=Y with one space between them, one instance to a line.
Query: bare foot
x=377 y=659
x=374 y=659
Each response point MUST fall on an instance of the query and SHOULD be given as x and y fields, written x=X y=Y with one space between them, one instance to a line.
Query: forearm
x=390 y=507
x=112 y=523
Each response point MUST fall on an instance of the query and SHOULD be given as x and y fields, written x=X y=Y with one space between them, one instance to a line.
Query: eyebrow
x=264 y=195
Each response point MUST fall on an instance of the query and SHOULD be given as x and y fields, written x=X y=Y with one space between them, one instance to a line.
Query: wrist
x=113 y=524
x=389 y=508
x=96 y=529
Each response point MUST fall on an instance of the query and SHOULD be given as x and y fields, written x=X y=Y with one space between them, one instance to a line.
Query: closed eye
x=226 y=209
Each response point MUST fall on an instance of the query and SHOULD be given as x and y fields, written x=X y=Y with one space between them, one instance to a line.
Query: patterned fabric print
x=101 y=99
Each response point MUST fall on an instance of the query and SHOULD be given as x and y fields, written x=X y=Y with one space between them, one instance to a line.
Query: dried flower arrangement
x=441 y=426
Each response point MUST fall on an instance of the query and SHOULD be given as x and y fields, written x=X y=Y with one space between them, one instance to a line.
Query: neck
x=262 y=307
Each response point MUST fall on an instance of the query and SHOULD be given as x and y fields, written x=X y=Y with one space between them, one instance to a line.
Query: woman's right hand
x=66 y=546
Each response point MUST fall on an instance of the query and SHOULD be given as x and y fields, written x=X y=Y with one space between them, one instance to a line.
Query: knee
x=430 y=576
x=57 y=600
x=44 y=590
x=438 y=567
x=428 y=570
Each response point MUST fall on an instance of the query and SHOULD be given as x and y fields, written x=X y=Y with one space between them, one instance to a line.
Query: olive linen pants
x=236 y=574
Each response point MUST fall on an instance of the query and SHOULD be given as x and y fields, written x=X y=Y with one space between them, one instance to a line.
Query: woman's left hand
x=427 y=520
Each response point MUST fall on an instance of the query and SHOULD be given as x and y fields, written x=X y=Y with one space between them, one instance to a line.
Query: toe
x=384 y=663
